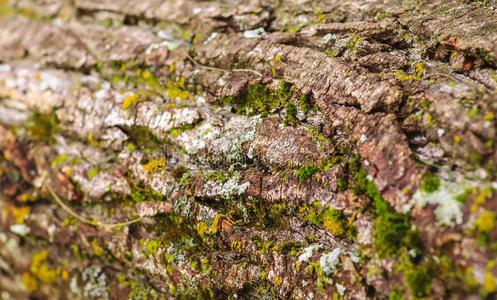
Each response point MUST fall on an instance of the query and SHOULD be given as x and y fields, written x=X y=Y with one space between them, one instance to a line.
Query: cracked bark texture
x=285 y=149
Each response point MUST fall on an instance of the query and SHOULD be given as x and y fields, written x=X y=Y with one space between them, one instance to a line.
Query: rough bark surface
x=257 y=149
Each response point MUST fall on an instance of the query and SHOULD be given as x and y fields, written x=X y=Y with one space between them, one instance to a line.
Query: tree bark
x=248 y=149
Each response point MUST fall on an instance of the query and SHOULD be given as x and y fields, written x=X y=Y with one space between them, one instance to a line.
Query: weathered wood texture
x=285 y=149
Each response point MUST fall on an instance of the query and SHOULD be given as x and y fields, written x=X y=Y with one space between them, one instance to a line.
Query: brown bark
x=248 y=149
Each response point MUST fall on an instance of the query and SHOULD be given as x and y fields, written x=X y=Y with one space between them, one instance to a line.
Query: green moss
x=76 y=252
x=396 y=295
x=359 y=182
x=228 y=100
x=136 y=75
x=430 y=183
x=140 y=194
x=342 y=184
x=258 y=99
x=331 y=52
x=291 y=113
x=485 y=56
x=143 y=139
x=148 y=78
x=291 y=248
x=137 y=291
x=425 y=104
x=41 y=126
x=334 y=221
x=418 y=280
x=317 y=136
x=274 y=213
x=417 y=277
x=150 y=247
x=464 y=196
x=390 y=228
x=483 y=239
x=304 y=103
x=476 y=158
x=133 y=74
x=305 y=173
x=296 y=27
x=131 y=147
x=128 y=255
x=331 y=219
x=178 y=130
x=354 y=43
x=216 y=176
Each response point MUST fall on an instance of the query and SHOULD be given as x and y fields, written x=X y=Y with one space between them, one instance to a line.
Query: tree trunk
x=248 y=149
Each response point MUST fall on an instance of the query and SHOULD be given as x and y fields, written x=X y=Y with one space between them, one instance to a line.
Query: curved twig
x=448 y=76
x=84 y=220
x=219 y=69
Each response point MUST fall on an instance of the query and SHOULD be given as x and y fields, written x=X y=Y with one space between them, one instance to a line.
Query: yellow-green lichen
x=41 y=270
x=60 y=160
x=419 y=70
x=486 y=221
x=154 y=165
x=97 y=250
x=20 y=213
x=130 y=101
x=30 y=283
x=489 y=283
x=150 y=247
x=93 y=172
x=202 y=229
x=176 y=89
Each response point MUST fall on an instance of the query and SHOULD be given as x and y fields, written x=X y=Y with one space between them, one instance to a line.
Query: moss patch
x=41 y=126
x=430 y=183
x=140 y=194
x=144 y=139
x=150 y=247
x=390 y=227
x=305 y=173
x=259 y=99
